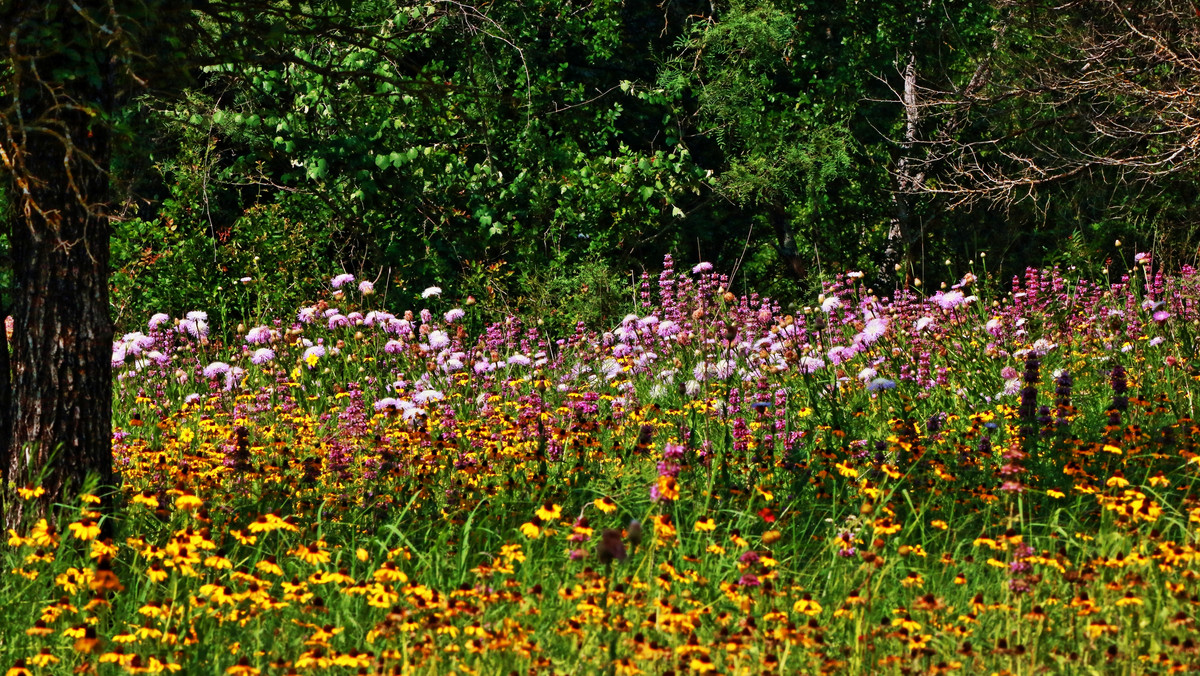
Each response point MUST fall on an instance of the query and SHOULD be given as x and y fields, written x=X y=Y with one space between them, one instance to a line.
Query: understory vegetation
x=875 y=482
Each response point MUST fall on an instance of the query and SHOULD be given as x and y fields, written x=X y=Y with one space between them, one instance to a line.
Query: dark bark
x=61 y=350
x=786 y=242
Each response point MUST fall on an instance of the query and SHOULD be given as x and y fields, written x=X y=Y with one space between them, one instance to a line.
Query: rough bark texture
x=61 y=349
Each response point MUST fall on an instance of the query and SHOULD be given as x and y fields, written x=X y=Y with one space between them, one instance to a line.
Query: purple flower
x=313 y=353
x=391 y=403
x=948 y=300
x=438 y=340
x=262 y=355
x=393 y=347
x=700 y=268
x=197 y=328
x=258 y=335
x=454 y=315
x=341 y=280
x=873 y=331
x=159 y=318
x=366 y=288
x=426 y=396
x=1161 y=316
x=811 y=364
x=217 y=368
x=881 y=384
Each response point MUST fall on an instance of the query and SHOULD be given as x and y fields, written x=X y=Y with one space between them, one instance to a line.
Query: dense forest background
x=537 y=155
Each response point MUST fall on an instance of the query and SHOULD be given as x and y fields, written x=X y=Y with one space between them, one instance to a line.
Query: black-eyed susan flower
x=84 y=529
x=605 y=505
x=549 y=512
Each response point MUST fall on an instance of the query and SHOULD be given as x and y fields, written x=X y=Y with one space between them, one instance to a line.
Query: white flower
x=431 y=292
x=426 y=396
x=438 y=339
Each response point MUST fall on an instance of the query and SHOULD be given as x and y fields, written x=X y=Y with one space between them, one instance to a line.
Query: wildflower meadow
x=882 y=482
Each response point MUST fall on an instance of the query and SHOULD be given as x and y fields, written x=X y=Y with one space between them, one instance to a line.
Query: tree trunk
x=901 y=236
x=786 y=242
x=61 y=349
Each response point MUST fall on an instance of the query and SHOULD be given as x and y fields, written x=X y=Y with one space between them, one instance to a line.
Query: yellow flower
x=807 y=606
x=242 y=668
x=44 y=658
x=85 y=530
x=531 y=530
x=187 y=502
x=43 y=534
x=89 y=499
x=243 y=538
x=705 y=525
x=605 y=505
x=30 y=492
x=939 y=524
x=549 y=512
x=313 y=554
x=668 y=488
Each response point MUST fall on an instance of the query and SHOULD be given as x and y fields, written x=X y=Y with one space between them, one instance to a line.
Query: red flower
x=767 y=514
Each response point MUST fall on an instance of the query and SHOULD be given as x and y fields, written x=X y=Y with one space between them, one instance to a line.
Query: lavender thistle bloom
x=313 y=353
x=197 y=328
x=438 y=340
x=454 y=315
x=426 y=396
x=701 y=268
x=341 y=280
x=159 y=318
x=873 y=331
x=258 y=335
x=217 y=368
x=366 y=288
x=262 y=355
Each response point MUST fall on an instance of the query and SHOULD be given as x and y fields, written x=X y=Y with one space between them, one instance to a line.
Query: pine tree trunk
x=61 y=349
